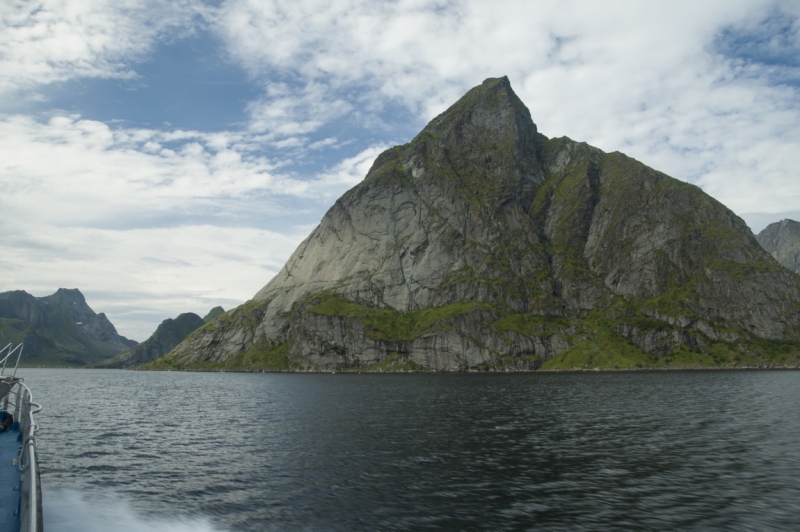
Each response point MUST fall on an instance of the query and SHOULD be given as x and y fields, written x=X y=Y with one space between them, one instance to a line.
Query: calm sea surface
x=128 y=451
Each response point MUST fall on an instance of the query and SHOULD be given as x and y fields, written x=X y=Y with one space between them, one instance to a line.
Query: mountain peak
x=484 y=147
x=69 y=294
x=490 y=114
x=169 y=334
x=71 y=302
x=59 y=328
x=213 y=313
x=782 y=241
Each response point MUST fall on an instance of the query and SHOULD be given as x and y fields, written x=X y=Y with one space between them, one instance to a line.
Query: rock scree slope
x=484 y=245
x=782 y=241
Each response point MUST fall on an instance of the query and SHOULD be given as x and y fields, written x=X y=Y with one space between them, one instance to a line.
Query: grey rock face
x=483 y=243
x=20 y=305
x=782 y=241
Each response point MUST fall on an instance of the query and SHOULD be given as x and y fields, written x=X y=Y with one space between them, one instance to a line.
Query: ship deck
x=9 y=480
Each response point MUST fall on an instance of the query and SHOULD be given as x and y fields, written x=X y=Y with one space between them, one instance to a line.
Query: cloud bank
x=697 y=89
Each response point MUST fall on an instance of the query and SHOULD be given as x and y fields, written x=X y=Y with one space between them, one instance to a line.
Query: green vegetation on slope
x=594 y=342
x=260 y=354
x=389 y=324
x=532 y=324
x=258 y=358
x=592 y=339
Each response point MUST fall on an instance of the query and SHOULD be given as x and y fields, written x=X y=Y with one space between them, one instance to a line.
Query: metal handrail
x=30 y=517
x=10 y=352
x=18 y=357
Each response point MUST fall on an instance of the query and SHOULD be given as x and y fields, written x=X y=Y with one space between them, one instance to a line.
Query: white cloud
x=75 y=172
x=56 y=40
x=638 y=77
x=286 y=111
x=324 y=143
x=347 y=173
x=82 y=172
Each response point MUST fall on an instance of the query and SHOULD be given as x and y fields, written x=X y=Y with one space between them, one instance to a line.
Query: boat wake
x=68 y=510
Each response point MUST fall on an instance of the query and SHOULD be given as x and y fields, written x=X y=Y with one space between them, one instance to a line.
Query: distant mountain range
x=782 y=241
x=484 y=245
x=60 y=329
x=167 y=336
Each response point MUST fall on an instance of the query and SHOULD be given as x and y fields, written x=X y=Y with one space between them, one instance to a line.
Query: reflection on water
x=583 y=451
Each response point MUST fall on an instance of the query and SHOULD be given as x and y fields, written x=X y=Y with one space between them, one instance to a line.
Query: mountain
x=782 y=241
x=59 y=329
x=169 y=334
x=484 y=245
x=213 y=314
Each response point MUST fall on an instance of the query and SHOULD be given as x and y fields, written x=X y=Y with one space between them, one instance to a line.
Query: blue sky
x=187 y=83
x=168 y=156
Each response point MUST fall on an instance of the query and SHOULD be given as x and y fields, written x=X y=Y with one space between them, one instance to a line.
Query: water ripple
x=250 y=452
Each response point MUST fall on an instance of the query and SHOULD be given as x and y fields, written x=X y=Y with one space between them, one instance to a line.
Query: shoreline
x=476 y=372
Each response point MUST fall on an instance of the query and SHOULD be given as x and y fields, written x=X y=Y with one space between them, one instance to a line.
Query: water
x=134 y=451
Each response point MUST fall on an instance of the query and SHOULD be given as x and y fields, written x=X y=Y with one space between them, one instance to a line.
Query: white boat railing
x=20 y=398
x=11 y=350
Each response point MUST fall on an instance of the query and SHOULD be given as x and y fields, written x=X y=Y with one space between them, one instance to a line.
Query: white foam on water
x=68 y=510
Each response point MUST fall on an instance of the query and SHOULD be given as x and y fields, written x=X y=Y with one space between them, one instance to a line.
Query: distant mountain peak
x=213 y=313
x=59 y=328
x=782 y=241
x=71 y=295
x=167 y=335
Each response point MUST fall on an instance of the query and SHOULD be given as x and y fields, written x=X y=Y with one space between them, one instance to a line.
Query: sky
x=168 y=156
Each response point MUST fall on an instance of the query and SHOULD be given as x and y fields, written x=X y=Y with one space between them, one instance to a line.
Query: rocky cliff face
x=58 y=329
x=168 y=335
x=482 y=244
x=782 y=241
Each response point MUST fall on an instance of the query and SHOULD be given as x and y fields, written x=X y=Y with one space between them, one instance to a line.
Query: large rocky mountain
x=59 y=329
x=169 y=334
x=782 y=241
x=482 y=244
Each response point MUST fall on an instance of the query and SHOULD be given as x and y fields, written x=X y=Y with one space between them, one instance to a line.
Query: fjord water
x=123 y=450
